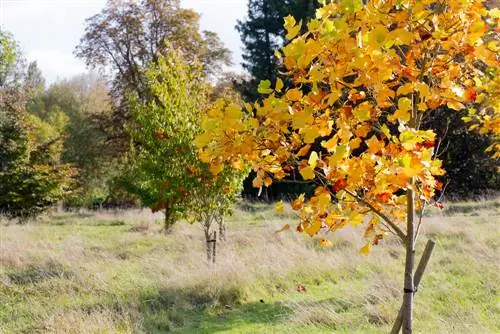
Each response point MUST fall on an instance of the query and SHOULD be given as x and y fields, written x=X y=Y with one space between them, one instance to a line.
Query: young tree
x=164 y=170
x=366 y=74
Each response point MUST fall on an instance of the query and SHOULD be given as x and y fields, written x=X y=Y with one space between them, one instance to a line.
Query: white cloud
x=49 y=30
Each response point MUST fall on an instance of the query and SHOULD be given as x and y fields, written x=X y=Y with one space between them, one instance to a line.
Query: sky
x=48 y=30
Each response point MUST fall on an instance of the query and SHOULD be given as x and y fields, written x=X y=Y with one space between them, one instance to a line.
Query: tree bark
x=409 y=262
x=424 y=260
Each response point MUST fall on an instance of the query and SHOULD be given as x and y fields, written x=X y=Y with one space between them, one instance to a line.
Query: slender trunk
x=214 y=249
x=222 y=229
x=409 y=262
x=208 y=241
x=168 y=222
x=424 y=260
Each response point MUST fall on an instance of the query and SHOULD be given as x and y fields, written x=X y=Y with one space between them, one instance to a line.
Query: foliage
x=83 y=101
x=262 y=33
x=31 y=175
x=365 y=78
x=164 y=170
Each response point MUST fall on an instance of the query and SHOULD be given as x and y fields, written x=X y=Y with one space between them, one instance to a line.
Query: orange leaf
x=339 y=185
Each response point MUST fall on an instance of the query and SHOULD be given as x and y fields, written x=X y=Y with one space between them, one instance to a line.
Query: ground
x=112 y=272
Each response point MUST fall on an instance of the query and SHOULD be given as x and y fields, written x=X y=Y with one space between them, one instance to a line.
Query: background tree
x=31 y=175
x=83 y=100
x=128 y=36
x=365 y=76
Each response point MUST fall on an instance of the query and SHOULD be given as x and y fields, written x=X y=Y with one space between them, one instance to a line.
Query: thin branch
x=396 y=229
x=421 y=214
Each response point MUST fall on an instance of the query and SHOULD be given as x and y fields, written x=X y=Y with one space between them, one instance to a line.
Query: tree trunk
x=214 y=249
x=209 y=250
x=168 y=222
x=222 y=229
x=424 y=260
x=409 y=262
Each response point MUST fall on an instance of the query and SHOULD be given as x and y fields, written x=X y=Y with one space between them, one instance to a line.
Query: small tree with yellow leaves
x=365 y=75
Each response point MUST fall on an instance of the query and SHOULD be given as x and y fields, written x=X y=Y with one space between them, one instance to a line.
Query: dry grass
x=114 y=273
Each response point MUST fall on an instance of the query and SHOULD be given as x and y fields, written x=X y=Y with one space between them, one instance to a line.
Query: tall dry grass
x=113 y=272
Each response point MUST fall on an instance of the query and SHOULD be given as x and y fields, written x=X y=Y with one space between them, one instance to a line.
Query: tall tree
x=128 y=36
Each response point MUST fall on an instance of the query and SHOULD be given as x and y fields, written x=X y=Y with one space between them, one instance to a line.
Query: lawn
x=113 y=272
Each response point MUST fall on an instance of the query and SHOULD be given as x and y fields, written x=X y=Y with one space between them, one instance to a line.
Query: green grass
x=114 y=273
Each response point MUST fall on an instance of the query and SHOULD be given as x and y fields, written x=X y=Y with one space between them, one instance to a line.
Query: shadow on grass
x=181 y=311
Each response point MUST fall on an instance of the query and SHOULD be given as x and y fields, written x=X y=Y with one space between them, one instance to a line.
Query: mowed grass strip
x=115 y=273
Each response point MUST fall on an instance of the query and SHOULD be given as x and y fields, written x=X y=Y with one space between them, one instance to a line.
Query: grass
x=114 y=273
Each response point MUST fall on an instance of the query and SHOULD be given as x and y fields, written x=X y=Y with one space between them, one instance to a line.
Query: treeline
x=124 y=137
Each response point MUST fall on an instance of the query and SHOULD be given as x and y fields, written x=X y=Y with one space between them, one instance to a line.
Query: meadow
x=113 y=272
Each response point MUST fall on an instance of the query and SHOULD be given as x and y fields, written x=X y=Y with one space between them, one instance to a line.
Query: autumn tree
x=127 y=36
x=365 y=76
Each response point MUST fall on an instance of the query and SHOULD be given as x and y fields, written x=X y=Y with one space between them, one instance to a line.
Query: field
x=114 y=273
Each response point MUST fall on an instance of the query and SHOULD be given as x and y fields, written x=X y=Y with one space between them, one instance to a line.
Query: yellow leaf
x=264 y=87
x=331 y=144
x=405 y=89
x=279 y=85
x=363 y=111
x=216 y=168
x=307 y=173
x=404 y=104
x=374 y=145
x=293 y=94
x=313 y=159
x=314 y=228
x=325 y=243
x=279 y=207
x=310 y=134
x=365 y=250
x=385 y=130
x=268 y=181
x=303 y=151
x=301 y=119
x=202 y=140
x=257 y=182
x=356 y=218
x=291 y=27
x=401 y=115
x=355 y=143
x=401 y=36
x=423 y=89
x=455 y=105
x=298 y=202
